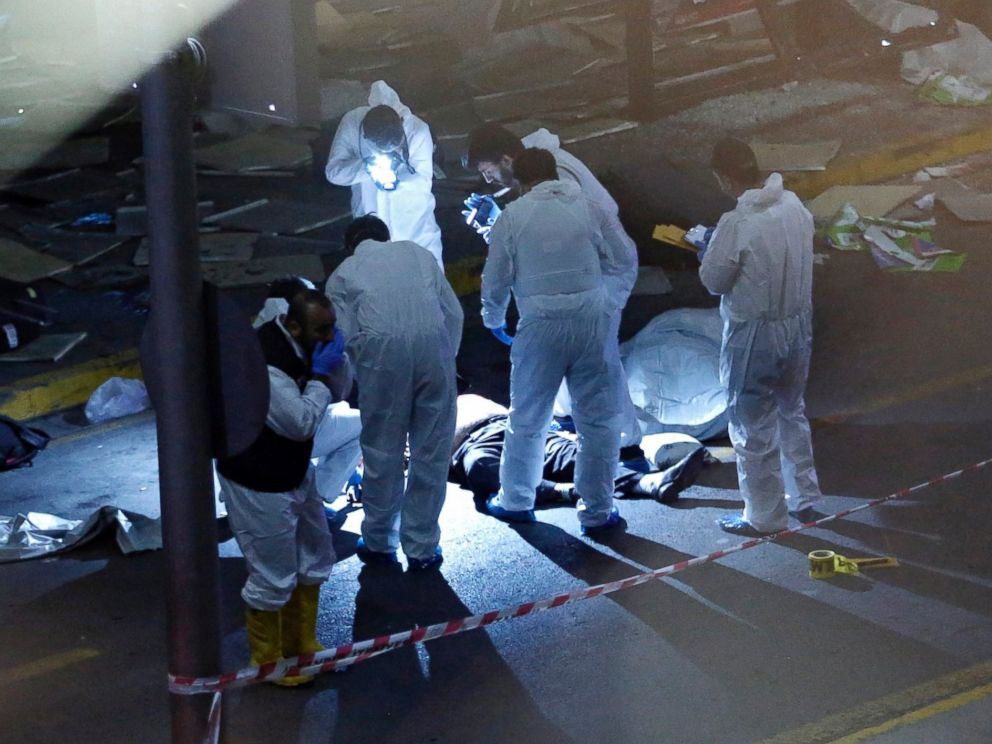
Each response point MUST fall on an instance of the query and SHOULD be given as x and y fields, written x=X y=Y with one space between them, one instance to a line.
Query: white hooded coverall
x=283 y=536
x=336 y=449
x=409 y=210
x=547 y=248
x=403 y=323
x=760 y=258
x=618 y=286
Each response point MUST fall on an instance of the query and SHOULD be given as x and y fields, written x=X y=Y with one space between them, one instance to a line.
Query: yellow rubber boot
x=264 y=640
x=299 y=627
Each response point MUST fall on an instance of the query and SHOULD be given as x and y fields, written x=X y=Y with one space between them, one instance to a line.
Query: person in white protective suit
x=336 y=448
x=491 y=151
x=273 y=506
x=403 y=323
x=548 y=249
x=760 y=259
x=386 y=155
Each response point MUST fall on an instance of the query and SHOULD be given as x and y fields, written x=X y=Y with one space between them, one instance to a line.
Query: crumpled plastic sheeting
x=36 y=534
x=673 y=373
x=970 y=54
x=895 y=16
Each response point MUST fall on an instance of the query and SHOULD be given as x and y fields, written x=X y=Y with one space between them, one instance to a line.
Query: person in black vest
x=273 y=506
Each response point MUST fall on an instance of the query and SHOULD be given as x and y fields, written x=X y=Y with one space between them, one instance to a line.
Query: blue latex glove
x=502 y=335
x=702 y=242
x=327 y=355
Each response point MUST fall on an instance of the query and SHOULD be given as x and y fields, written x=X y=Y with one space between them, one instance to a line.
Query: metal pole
x=189 y=528
x=640 y=60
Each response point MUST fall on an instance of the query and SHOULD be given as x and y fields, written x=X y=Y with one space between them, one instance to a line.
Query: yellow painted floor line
x=907 y=719
x=914 y=393
x=48 y=665
x=925 y=700
x=64 y=388
x=885 y=163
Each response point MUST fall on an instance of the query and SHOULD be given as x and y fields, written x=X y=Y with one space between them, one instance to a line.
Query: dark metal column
x=640 y=60
x=177 y=326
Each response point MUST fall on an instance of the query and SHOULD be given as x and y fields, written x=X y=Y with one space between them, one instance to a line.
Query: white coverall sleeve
x=344 y=307
x=293 y=414
x=344 y=162
x=341 y=379
x=618 y=252
x=497 y=275
x=454 y=316
x=421 y=150
x=721 y=262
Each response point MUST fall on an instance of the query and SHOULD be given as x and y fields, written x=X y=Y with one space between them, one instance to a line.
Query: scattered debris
x=36 y=534
x=895 y=16
x=953 y=72
x=896 y=245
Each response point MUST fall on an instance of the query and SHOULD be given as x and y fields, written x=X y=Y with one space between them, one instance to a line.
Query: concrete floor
x=749 y=649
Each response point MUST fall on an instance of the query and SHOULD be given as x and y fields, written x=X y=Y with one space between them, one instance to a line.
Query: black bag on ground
x=19 y=443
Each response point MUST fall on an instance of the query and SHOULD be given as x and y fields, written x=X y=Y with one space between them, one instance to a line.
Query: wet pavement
x=748 y=649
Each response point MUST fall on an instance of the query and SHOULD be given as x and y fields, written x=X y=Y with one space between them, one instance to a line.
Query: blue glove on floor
x=327 y=355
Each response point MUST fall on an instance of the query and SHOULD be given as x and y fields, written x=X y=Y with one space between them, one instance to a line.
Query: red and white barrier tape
x=353 y=653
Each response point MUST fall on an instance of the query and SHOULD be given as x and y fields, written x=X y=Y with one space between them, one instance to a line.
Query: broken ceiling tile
x=75 y=247
x=277 y=216
x=50 y=347
x=811 y=156
x=260 y=271
x=69 y=185
x=871 y=201
x=214 y=247
x=254 y=152
x=25 y=265
x=133 y=221
x=969 y=207
x=24 y=153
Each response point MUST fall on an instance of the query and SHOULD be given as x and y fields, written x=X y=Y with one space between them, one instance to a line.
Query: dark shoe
x=807 y=515
x=611 y=521
x=374 y=557
x=424 y=564
x=736 y=524
x=335 y=518
x=506 y=515
x=633 y=458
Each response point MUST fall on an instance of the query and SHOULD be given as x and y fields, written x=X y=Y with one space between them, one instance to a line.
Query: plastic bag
x=115 y=398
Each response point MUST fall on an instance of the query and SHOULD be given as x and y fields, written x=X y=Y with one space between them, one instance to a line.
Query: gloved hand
x=383 y=169
x=481 y=214
x=327 y=355
x=700 y=236
x=502 y=335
